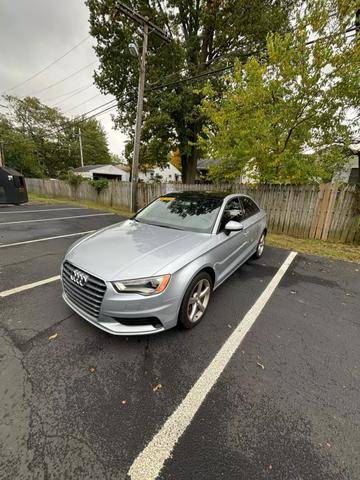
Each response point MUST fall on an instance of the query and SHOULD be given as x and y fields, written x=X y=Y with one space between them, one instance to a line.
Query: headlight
x=143 y=286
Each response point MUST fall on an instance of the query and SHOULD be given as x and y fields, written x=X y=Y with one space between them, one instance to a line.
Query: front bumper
x=161 y=311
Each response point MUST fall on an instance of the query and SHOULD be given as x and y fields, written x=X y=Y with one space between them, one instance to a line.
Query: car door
x=232 y=246
x=251 y=222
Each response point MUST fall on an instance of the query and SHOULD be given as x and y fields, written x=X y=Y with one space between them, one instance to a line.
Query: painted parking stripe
x=149 y=463
x=29 y=286
x=46 y=239
x=58 y=218
x=42 y=210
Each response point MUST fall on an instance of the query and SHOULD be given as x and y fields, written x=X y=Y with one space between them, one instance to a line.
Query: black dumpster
x=12 y=186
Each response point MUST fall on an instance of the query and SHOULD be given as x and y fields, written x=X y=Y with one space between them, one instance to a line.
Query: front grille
x=87 y=297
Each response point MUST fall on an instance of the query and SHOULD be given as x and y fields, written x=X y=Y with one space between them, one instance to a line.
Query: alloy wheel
x=261 y=245
x=198 y=300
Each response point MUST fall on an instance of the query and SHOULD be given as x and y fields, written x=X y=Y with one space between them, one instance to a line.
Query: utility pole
x=2 y=155
x=81 y=148
x=145 y=23
x=139 y=113
x=357 y=24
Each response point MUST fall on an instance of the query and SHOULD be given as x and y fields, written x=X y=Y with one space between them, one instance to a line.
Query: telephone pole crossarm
x=139 y=19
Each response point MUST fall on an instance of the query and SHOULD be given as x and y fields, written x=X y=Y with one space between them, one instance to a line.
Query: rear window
x=196 y=214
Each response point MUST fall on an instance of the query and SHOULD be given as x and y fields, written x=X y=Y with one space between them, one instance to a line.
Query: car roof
x=198 y=194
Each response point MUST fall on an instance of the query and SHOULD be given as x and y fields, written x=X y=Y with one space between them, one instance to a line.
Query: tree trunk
x=188 y=167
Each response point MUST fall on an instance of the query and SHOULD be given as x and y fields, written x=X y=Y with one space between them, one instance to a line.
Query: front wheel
x=196 y=300
x=260 y=246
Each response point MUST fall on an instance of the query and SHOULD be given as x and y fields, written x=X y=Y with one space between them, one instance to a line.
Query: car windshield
x=183 y=212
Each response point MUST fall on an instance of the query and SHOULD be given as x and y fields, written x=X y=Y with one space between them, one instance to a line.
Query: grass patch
x=36 y=198
x=338 y=251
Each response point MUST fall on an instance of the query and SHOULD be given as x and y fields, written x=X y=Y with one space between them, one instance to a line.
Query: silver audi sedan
x=160 y=268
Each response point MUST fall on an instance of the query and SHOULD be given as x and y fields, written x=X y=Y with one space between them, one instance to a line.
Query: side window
x=250 y=208
x=233 y=211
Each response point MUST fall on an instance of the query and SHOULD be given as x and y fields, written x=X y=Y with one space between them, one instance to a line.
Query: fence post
x=316 y=211
x=329 y=213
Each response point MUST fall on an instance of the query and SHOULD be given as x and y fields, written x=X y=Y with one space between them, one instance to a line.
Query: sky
x=33 y=33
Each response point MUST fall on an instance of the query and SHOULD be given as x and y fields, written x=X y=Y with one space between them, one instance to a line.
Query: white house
x=350 y=172
x=111 y=172
x=122 y=172
x=168 y=173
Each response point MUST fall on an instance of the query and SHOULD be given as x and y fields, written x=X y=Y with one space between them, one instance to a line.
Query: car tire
x=193 y=308
x=260 y=246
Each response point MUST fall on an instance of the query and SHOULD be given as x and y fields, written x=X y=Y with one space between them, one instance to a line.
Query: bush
x=100 y=185
x=73 y=180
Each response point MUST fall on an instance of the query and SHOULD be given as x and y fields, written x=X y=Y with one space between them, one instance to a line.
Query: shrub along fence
x=327 y=212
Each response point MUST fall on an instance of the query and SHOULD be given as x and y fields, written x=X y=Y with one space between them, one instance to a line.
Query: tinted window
x=233 y=211
x=250 y=208
x=184 y=212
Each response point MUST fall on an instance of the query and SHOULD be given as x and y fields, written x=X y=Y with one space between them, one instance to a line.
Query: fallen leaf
x=157 y=387
x=52 y=337
x=92 y=369
x=260 y=365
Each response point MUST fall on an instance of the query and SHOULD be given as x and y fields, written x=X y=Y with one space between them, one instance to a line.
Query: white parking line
x=29 y=286
x=58 y=218
x=149 y=463
x=43 y=210
x=5 y=245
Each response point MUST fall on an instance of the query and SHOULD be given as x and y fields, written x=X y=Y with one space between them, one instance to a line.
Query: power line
x=96 y=108
x=73 y=95
x=82 y=103
x=230 y=67
x=140 y=20
x=82 y=117
x=78 y=89
x=47 y=66
x=34 y=94
x=183 y=80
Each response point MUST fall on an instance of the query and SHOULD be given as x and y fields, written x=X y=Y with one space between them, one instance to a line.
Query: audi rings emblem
x=79 y=278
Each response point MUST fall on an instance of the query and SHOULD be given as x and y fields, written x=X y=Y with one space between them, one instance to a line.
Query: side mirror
x=233 y=226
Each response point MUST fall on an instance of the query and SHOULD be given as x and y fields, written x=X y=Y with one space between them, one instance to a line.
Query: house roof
x=88 y=168
x=205 y=163
x=106 y=166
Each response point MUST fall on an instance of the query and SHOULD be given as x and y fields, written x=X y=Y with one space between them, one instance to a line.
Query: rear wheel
x=260 y=246
x=196 y=300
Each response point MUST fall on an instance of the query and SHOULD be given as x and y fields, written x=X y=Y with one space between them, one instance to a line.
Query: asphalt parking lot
x=77 y=403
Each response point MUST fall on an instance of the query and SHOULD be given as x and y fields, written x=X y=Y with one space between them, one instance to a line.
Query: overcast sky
x=33 y=33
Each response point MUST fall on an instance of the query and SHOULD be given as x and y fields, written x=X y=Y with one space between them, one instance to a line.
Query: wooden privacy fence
x=327 y=212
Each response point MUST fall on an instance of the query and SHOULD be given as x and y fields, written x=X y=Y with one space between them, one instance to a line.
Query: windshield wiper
x=165 y=226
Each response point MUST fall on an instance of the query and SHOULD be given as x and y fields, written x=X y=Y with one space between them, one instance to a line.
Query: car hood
x=133 y=250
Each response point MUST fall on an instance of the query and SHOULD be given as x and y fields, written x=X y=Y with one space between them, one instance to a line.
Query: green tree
x=19 y=150
x=206 y=34
x=41 y=141
x=95 y=147
x=294 y=100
